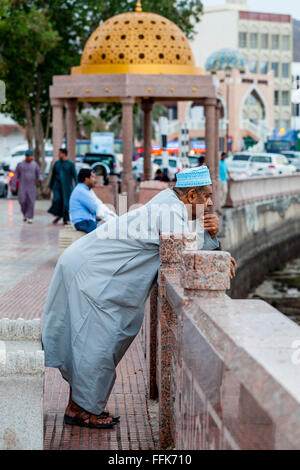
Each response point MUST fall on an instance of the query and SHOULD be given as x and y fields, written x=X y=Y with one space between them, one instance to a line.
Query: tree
x=184 y=13
x=87 y=123
x=42 y=38
x=25 y=37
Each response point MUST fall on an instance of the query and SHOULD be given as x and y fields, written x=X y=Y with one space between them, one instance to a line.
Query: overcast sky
x=289 y=7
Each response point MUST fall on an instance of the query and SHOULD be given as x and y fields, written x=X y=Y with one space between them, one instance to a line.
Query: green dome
x=226 y=59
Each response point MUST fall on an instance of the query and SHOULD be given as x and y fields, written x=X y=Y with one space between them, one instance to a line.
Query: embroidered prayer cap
x=191 y=177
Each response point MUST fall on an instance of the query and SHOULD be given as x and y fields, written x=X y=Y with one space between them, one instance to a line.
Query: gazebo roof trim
x=116 y=86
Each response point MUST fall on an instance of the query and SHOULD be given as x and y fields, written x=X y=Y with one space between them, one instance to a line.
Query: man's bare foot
x=56 y=220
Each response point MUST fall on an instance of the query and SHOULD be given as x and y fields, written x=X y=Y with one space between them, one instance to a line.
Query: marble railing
x=22 y=373
x=242 y=192
x=226 y=371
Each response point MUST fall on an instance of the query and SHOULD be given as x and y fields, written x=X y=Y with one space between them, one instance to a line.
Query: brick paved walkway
x=28 y=255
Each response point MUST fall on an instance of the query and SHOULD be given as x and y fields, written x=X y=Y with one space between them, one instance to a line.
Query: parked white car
x=293 y=157
x=271 y=164
x=239 y=165
x=138 y=169
x=18 y=155
x=247 y=164
x=174 y=165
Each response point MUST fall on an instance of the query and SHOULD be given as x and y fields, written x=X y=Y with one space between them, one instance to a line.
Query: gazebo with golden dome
x=135 y=56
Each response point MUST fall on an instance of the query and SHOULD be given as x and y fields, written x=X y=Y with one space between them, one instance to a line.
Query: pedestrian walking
x=224 y=176
x=27 y=174
x=61 y=184
x=96 y=301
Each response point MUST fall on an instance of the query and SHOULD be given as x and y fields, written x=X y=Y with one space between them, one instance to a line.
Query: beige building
x=265 y=39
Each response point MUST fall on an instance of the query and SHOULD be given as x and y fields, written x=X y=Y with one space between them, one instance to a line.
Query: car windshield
x=282 y=160
x=20 y=153
x=94 y=158
x=295 y=156
x=262 y=159
x=194 y=160
x=241 y=157
x=157 y=161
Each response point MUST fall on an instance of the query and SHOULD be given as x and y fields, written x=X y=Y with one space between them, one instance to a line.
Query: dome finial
x=138 y=7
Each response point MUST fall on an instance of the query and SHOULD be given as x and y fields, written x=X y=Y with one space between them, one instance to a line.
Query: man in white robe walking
x=95 y=305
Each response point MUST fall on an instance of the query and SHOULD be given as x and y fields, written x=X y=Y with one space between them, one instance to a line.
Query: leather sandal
x=73 y=407
x=107 y=414
x=88 y=420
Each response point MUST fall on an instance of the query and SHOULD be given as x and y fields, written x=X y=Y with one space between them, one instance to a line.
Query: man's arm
x=209 y=243
x=38 y=173
x=88 y=202
x=53 y=176
x=17 y=173
x=211 y=224
x=74 y=174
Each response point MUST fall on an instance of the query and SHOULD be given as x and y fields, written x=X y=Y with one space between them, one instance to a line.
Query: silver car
x=239 y=166
x=3 y=184
x=293 y=157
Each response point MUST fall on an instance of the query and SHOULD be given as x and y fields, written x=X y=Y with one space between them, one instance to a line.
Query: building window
x=296 y=110
x=242 y=40
x=276 y=97
x=265 y=41
x=253 y=40
x=286 y=123
x=277 y=124
x=253 y=66
x=275 y=67
x=286 y=43
x=275 y=41
x=285 y=98
x=264 y=67
x=285 y=70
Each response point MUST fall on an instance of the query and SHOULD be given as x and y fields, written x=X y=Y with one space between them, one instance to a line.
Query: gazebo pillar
x=147 y=106
x=217 y=161
x=210 y=141
x=57 y=125
x=127 y=132
x=71 y=106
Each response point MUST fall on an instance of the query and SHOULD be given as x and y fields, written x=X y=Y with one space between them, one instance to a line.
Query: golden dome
x=137 y=42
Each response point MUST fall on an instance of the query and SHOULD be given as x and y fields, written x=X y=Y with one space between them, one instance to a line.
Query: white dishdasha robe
x=96 y=300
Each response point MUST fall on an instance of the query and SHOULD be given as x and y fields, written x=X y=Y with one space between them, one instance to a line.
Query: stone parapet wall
x=226 y=370
x=22 y=373
x=262 y=237
x=247 y=191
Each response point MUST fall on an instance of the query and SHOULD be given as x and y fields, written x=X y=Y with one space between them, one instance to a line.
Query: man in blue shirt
x=223 y=168
x=83 y=208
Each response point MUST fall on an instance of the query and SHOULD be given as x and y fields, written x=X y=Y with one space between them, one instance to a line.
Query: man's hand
x=232 y=267
x=211 y=224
